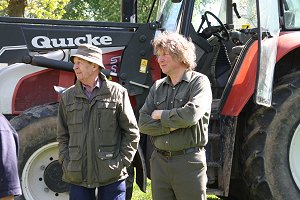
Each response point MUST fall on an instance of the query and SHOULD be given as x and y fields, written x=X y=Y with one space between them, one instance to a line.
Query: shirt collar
x=98 y=84
x=186 y=77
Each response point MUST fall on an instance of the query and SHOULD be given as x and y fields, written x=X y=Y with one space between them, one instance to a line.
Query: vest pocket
x=107 y=123
x=110 y=164
x=73 y=171
x=74 y=118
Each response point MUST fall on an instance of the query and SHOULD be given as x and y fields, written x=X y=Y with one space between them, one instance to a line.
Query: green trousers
x=180 y=177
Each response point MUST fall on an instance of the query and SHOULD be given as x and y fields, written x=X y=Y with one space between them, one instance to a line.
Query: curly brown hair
x=179 y=47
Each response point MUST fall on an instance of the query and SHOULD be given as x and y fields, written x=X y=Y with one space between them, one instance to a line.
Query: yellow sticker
x=245 y=26
x=143 y=66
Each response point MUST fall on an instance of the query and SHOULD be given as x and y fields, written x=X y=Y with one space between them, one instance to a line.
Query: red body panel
x=287 y=42
x=37 y=88
x=244 y=84
x=155 y=70
x=112 y=61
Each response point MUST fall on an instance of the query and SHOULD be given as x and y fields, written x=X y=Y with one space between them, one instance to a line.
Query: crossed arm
x=155 y=122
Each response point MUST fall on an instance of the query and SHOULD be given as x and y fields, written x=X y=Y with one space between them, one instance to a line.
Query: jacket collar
x=104 y=89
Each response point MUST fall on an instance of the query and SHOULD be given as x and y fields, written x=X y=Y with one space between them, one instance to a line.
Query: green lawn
x=139 y=195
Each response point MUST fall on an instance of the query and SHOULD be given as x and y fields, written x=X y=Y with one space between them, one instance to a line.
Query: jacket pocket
x=107 y=122
x=75 y=117
x=73 y=171
x=75 y=123
x=109 y=163
x=75 y=132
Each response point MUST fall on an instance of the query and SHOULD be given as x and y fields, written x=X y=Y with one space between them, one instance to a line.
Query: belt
x=180 y=152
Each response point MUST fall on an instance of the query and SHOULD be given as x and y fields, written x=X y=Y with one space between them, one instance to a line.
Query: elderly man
x=97 y=131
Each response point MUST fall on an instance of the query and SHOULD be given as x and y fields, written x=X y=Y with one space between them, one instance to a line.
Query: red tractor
x=249 y=49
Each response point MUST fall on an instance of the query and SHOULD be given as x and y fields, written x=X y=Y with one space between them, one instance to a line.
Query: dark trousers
x=114 y=191
x=179 y=177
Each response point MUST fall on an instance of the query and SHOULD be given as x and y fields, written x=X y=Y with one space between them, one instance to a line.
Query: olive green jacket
x=187 y=107
x=99 y=138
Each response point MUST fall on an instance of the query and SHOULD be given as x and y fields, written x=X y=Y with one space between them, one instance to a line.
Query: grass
x=139 y=195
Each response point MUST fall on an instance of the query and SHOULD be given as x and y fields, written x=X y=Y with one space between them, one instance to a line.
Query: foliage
x=144 y=7
x=104 y=10
x=41 y=9
x=92 y=10
x=46 y=9
x=3 y=7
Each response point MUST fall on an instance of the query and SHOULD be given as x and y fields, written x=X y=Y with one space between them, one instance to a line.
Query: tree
x=46 y=9
x=92 y=10
x=41 y=9
x=104 y=10
x=3 y=7
x=144 y=7
x=16 y=8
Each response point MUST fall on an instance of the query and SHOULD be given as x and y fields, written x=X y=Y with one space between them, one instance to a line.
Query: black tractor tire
x=38 y=154
x=39 y=170
x=266 y=152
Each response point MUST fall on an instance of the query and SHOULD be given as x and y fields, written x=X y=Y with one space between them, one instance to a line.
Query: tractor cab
x=221 y=30
x=245 y=48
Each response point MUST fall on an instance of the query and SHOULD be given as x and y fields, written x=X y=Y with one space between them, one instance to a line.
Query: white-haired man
x=97 y=131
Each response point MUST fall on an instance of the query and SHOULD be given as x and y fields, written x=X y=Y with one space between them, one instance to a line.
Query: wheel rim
x=294 y=156
x=33 y=183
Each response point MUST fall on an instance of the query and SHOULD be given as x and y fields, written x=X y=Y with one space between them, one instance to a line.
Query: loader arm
x=25 y=39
